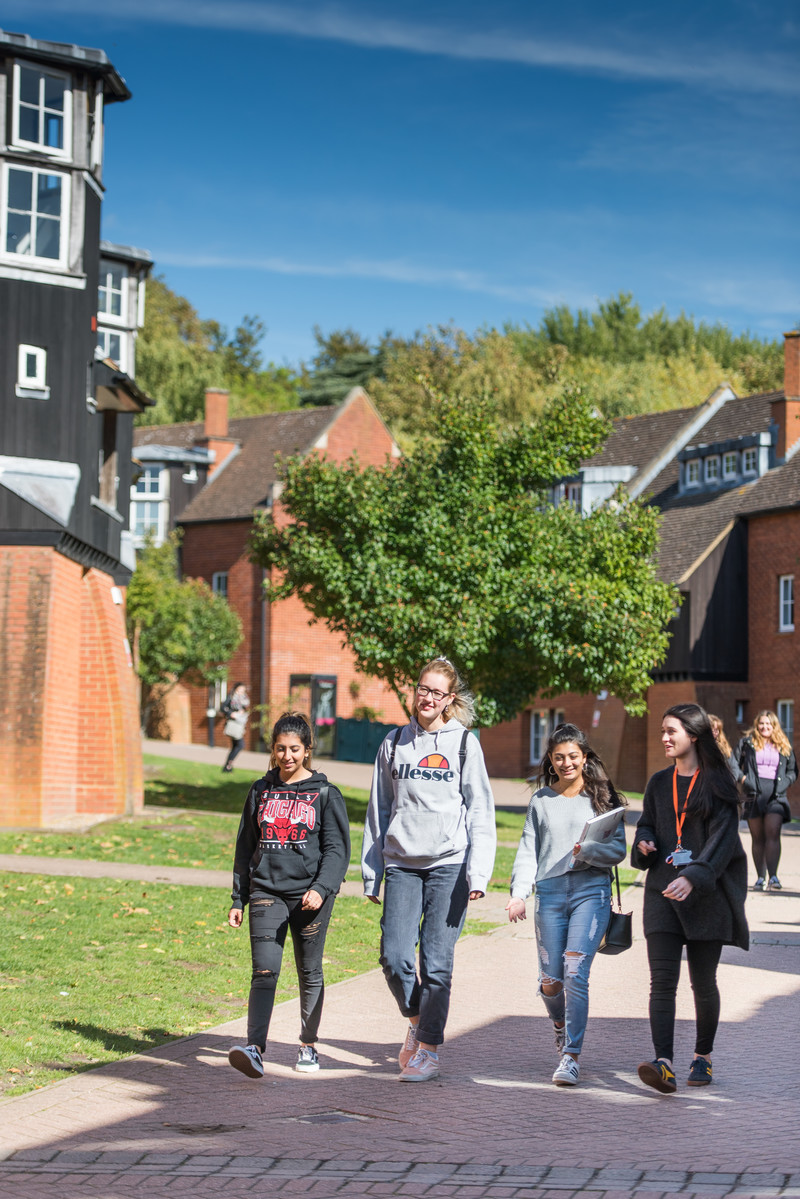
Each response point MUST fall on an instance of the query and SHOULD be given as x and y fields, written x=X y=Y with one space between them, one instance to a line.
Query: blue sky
x=392 y=165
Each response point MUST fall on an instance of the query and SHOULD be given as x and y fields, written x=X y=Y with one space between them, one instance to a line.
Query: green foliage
x=178 y=628
x=179 y=355
x=456 y=550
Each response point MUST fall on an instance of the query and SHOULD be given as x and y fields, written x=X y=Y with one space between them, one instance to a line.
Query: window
x=692 y=475
x=712 y=468
x=149 y=481
x=107 y=467
x=42 y=109
x=35 y=204
x=149 y=509
x=785 y=713
x=32 y=368
x=786 y=604
x=111 y=291
x=750 y=462
x=111 y=345
x=740 y=710
x=730 y=465
x=219 y=583
x=572 y=495
x=542 y=724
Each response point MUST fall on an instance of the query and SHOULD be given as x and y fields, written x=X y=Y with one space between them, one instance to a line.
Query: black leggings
x=237 y=745
x=271 y=917
x=765 y=832
x=664 y=954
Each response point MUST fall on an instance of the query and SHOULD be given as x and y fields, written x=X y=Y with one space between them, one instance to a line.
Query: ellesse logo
x=432 y=769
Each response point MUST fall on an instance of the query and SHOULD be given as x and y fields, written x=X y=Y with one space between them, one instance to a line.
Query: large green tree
x=178 y=628
x=457 y=550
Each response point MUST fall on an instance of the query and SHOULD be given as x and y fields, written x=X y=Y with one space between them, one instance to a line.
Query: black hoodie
x=292 y=836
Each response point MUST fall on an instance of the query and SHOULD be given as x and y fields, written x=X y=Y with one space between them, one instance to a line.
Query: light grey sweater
x=421 y=814
x=553 y=825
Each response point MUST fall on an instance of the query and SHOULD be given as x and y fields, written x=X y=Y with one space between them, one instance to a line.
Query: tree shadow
x=114 y=1041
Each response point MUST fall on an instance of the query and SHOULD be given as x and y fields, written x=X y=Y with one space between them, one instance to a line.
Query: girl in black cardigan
x=767 y=768
x=688 y=842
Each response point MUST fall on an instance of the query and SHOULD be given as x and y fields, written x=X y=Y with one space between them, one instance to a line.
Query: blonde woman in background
x=767 y=767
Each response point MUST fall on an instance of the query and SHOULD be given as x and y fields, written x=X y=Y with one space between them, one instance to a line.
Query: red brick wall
x=773 y=550
x=69 y=733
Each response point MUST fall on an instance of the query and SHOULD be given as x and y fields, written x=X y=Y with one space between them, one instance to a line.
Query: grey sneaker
x=560 y=1034
x=307 y=1060
x=567 y=1073
x=247 y=1059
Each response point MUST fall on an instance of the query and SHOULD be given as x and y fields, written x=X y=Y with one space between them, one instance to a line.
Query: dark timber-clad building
x=68 y=724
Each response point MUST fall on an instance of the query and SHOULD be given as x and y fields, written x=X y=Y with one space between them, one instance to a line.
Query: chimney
x=786 y=410
x=215 y=428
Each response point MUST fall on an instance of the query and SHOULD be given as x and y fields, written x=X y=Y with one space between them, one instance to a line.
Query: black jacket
x=714 y=910
x=786 y=775
x=291 y=837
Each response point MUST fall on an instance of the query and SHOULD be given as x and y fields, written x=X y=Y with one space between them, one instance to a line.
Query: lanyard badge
x=680 y=856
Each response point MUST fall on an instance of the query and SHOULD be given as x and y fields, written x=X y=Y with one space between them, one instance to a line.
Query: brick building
x=726 y=478
x=283 y=655
x=69 y=727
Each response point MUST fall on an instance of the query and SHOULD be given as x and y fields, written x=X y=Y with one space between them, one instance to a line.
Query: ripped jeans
x=571 y=918
x=271 y=917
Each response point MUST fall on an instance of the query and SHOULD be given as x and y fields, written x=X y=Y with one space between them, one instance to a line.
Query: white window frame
x=158 y=529
x=122 y=361
x=691 y=474
x=219 y=583
x=750 y=470
x=111 y=318
x=24 y=259
x=726 y=457
x=784 y=710
x=786 y=604
x=38 y=380
x=573 y=495
x=16 y=140
x=711 y=468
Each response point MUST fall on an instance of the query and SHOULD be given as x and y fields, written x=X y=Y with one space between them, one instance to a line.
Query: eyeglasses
x=435 y=695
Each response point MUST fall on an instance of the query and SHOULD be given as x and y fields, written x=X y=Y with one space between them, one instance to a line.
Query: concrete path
x=180 y=1121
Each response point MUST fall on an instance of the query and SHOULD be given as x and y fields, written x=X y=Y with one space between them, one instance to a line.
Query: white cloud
x=709 y=66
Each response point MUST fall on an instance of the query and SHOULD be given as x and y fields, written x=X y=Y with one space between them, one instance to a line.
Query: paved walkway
x=180 y=1121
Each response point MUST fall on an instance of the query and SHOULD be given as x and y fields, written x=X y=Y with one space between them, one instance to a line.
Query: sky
x=391 y=166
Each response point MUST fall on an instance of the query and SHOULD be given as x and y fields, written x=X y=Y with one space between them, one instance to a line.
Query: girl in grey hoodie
x=430 y=835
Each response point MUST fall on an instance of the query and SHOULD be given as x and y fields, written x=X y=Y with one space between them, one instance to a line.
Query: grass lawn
x=94 y=970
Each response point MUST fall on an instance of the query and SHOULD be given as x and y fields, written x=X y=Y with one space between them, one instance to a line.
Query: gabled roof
x=635 y=440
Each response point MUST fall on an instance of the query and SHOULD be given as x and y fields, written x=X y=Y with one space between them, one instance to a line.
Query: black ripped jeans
x=271 y=917
x=664 y=951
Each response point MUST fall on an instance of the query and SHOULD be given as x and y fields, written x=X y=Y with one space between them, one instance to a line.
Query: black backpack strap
x=462 y=760
x=395 y=739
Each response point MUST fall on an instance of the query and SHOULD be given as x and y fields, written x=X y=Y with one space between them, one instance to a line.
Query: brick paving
x=179 y=1121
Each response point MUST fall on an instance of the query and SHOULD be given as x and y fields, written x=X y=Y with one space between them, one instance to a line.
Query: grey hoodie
x=419 y=817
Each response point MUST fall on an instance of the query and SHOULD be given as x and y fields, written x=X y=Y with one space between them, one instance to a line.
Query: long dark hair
x=596 y=783
x=293 y=723
x=715 y=780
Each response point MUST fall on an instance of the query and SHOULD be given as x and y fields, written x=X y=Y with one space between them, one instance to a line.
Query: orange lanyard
x=679 y=819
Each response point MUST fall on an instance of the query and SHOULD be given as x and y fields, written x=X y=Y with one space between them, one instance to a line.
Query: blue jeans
x=571 y=919
x=437 y=898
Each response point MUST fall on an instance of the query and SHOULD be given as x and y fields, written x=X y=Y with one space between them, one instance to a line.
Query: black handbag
x=619 y=934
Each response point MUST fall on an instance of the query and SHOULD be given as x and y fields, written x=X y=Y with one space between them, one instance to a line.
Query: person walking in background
x=573 y=883
x=430 y=833
x=292 y=853
x=718 y=729
x=768 y=768
x=687 y=840
x=237 y=709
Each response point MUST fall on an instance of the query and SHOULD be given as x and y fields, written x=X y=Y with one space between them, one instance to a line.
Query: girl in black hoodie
x=292 y=853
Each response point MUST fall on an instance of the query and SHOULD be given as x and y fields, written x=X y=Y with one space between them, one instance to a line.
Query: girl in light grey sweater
x=572 y=880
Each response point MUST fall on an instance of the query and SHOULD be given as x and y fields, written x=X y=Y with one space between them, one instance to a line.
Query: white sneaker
x=247 y=1059
x=567 y=1073
x=408 y=1048
x=422 y=1066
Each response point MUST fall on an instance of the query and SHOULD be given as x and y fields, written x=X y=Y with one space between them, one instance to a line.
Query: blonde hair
x=462 y=706
x=778 y=738
x=719 y=732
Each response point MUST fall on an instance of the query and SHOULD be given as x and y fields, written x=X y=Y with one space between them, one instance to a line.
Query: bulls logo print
x=285 y=819
x=434 y=768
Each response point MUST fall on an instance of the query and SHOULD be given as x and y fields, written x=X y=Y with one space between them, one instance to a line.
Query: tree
x=457 y=550
x=179 y=629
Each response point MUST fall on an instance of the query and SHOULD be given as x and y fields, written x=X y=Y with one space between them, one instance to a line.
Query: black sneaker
x=247 y=1059
x=774 y=884
x=759 y=884
x=700 y=1073
x=658 y=1075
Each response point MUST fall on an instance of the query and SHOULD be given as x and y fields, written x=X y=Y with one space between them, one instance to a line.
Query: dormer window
x=750 y=462
x=42 y=110
x=692 y=478
x=712 y=468
x=33 y=215
x=111 y=344
x=730 y=465
x=111 y=293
